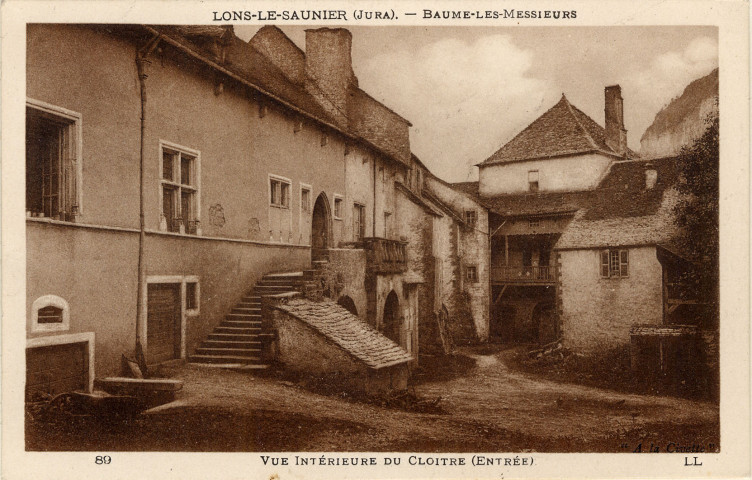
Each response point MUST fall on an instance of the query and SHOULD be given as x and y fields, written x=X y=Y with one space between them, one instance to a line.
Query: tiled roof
x=562 y=130
x=621 y=211
x=369 y=120
x=348 y=332
x=620 y=194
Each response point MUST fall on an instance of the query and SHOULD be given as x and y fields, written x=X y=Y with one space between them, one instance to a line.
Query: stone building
x=577 y=223
x=264 y=169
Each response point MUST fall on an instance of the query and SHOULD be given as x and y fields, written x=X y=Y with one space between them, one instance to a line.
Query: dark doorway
x=320 y=228
x=163 y=322
x=392 y=318
x=348 y=304
x=544 y=323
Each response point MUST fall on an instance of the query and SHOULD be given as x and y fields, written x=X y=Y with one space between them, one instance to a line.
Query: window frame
x=74 y=120
x=50 y=301
x=474 y=278
x=533 y=180
x=471 y=218
x=337 y=202
x=281 y=181
x=306 y=208
x=178 y=186
x=359 y=221
x=605 y=265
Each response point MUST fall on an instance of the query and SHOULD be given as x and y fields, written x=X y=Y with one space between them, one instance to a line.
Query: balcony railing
x=523 y=274
x=385 y=256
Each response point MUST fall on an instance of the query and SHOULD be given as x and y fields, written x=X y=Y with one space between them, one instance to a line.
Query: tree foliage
x=697 y=211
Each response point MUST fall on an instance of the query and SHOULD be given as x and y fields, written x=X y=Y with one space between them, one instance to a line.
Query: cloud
x=665 y=78
x=460 y=97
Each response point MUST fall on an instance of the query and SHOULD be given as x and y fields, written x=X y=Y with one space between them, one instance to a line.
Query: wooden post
x=506 y=250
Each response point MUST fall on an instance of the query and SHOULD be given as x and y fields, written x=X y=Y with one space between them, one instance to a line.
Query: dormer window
x=532 y=180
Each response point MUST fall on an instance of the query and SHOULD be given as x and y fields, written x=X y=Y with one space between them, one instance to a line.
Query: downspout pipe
x=141 y=64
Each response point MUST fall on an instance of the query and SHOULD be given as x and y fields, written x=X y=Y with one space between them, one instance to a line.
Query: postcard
x=281 y=240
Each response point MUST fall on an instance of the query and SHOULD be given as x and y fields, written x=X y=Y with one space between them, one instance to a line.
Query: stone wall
x=597 y=313
x=302 y=349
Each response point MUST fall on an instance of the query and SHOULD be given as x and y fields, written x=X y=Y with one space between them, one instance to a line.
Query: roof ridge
x=577 y=121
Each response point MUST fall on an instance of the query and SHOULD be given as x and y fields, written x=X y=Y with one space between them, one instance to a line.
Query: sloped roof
x=348 y=332
x=621 y=211
x=277 y=72
x=562 y=130
x=620 y=194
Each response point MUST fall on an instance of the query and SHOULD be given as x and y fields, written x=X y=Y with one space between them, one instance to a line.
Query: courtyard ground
x=486 y=408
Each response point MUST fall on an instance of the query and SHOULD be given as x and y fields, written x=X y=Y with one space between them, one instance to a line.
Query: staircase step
x=243 y=316
x=238 y=330
x=251 y=299
x=240 y=352
x=232 y=337
x=241 y=323
x=247 y=310
x=223 y=359
x=284 y=275
x=231 y=344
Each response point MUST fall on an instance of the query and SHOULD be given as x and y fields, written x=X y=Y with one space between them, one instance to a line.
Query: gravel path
x=488 y=409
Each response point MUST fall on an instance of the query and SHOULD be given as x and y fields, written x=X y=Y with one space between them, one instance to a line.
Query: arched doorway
x=390 y=327
x=320 y=228
x=348 y=304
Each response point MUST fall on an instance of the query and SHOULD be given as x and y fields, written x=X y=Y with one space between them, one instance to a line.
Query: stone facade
x=597 y=313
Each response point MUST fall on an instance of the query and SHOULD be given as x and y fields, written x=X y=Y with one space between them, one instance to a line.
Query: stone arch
x=321 y=227
x=348 y=304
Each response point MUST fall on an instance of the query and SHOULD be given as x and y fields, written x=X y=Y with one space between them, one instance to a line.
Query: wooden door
x=163 y=323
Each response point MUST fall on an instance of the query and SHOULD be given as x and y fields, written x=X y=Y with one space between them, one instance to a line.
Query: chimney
x=328 y=68
x=616 y=135
x=651 y=176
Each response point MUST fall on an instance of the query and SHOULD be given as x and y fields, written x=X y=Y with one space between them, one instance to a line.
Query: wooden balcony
x=385 y=256
x=522 y=274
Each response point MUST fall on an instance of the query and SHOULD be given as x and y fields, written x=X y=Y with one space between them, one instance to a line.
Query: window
x=337 y=207
x=305 y=198
x=387 y=225
x=279 y=192
x=50 y=313
x=191 y=296
x=614 y=263
x=359 y=221
x=532 y=180
x=471 y=274
x=53 y=161
x=471 y=218
x=533 y=222
x=179 y=186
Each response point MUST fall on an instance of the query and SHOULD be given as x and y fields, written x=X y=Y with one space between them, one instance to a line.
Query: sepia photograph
x=312 y=235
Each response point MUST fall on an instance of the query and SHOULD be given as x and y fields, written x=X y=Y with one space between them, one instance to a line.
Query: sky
x=469 y=90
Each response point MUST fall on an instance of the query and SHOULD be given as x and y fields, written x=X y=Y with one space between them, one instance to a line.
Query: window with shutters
x=179 y=188
x=53 y=162
x=50 y=313
x=614 y=263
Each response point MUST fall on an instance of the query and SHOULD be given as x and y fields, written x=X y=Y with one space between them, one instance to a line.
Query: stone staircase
x=237 y=341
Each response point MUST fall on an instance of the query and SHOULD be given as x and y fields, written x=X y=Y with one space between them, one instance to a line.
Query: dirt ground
x=487 y=409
